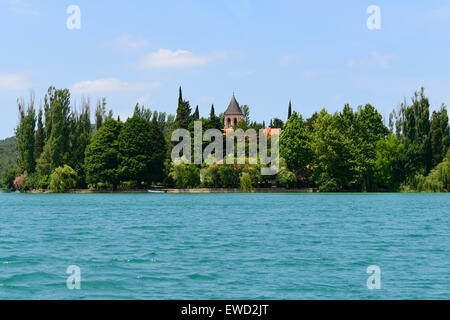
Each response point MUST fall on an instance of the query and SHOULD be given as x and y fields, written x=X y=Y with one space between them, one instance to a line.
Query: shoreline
x=177 y=191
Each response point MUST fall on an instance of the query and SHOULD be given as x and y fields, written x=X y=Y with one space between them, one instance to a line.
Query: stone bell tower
x=233 y=114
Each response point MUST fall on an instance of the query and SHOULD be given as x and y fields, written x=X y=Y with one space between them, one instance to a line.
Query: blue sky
x=316 y=53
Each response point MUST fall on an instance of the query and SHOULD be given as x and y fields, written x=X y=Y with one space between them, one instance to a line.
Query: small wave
x=198 y=276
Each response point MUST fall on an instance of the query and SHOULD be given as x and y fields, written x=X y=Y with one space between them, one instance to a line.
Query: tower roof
x=233 y=108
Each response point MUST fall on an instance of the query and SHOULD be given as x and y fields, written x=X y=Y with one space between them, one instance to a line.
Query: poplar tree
x=26 y=136
x=40 y=136
x=100 y=113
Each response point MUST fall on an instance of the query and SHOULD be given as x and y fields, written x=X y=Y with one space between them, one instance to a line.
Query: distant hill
x=7 y=155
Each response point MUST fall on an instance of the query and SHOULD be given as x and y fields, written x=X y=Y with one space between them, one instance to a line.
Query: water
x=217 y=246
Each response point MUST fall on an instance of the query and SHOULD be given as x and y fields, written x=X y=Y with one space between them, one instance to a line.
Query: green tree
x=285 y=177
x=57 y=147
x=214 y=121
x=295 y=146
x=183 y=117
x=331 y=149
x=100 y=113
x=80 y=138
x=142 y=151
x=196 y=114
x=40 y=136
x=413 y=127
x=210 y=176
x=26 y=136
x=229 y=175
x=387 y=164
x=185 y=175
x=277 y=123
x=63 y=179
x=246 y=111
x=440 y=135
x=289 y=110
x=102 y=155
x=8 y=179
x=246 y=182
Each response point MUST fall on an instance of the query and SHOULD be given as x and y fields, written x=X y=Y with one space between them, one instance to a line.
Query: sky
x=319 y=54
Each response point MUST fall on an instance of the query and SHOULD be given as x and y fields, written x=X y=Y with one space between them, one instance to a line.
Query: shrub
x=63 y=179
x=246 y=182
x=229 y=175
x=123 y=185
x=210 y=176
x=286 y=177
x=22 y=182
x=185 y=175
x=8 y=180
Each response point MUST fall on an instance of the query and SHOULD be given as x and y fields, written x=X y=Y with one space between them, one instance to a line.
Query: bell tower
x=233 y=114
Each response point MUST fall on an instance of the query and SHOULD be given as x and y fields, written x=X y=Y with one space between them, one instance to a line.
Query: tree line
x=58 y=148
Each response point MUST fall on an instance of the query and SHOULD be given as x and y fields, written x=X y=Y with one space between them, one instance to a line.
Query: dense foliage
x=8 y=159
x=58 y=147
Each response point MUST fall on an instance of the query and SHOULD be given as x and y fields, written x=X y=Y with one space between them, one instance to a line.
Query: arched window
x=235 y=121
x=229 y=122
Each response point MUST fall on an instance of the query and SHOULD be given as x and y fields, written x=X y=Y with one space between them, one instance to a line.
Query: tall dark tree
x=212 y=113
x=40 y=136
x=80 y=139
x=439 y=133
x=100 y=113
x=183 y=117
x=213 y=121
x=289 y=110
x=277 y=123
x=26 y=136
x=246 y=111
x=48 y=118
x=196 y=114
x=57 y=147
x=414 y=125
x=142 y=152
x=445 y=130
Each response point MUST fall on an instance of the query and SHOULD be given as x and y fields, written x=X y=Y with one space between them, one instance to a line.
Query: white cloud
x=309 y=74
x=110 y=84
x=22 y=8
x=164 y=58
x=239 y=74
x=128 y=42
x=376 y=59
x=381 y=59
x=206 y=99
x=288 y=60
x=14 y=82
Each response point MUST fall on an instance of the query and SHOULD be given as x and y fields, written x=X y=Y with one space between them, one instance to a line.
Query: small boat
x=156 y=191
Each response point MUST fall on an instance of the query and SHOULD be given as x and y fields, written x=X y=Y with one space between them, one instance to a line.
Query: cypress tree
x=183 y=113
x=212 y=114
x=289 y=109
x=196 y=114
x=213 y=121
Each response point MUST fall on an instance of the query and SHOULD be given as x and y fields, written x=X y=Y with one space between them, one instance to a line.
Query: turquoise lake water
x=225 y=246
